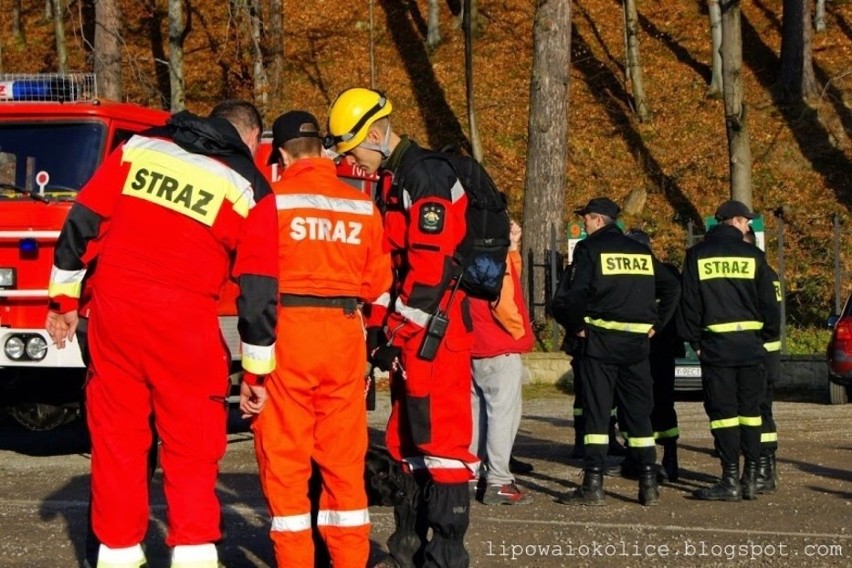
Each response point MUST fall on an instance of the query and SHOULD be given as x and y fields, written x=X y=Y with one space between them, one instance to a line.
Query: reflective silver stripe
x=434 y=462
x=258 y=359
x=383 y=300
x=419 y=317
x=60 y=276
x=194 y=555
x=130 y=557
x=457 y=191
x=323 y=203
x=293 y=523
x=356 y=518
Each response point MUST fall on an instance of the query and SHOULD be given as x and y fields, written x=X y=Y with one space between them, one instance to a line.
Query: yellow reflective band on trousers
x=724 y=423
x=767 y=437
x=727 y=267
x=619 y=325
x=750 y=421
x=641 y=442
x=596 y=439
x=772 y=346
x=670 y=433
x=735 y=326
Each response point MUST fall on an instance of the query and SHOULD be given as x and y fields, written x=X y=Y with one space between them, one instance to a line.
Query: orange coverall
x=331 y=255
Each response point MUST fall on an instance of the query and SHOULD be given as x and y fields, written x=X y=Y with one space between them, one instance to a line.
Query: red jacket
x=505 y=326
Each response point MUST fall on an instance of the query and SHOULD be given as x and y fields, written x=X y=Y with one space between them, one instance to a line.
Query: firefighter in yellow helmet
x=423 y=209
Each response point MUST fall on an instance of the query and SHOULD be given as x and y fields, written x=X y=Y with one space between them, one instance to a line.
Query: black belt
x=347 y=304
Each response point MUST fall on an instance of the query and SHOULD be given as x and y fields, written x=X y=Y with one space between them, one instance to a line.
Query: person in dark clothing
x=609 y=301
x=728 y=311
x=767 y=476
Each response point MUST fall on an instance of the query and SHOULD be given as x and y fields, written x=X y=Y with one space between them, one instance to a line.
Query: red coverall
x=331 y=255
x=178 y=221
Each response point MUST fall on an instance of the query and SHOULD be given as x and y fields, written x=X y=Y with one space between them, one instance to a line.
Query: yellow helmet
x=352 y=113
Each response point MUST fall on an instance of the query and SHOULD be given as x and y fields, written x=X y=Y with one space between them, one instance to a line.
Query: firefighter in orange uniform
x=430 y=424
x=331 y=261
x=185 y=206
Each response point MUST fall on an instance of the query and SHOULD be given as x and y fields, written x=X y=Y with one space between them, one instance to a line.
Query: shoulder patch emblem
x=432 y=218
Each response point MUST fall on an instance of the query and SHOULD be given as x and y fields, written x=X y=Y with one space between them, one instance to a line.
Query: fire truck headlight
x=7 y=277
x=36 y=348
x=14 y=348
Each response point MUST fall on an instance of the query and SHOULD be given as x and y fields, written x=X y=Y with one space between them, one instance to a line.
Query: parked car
x=840 y=355
x=688 y=371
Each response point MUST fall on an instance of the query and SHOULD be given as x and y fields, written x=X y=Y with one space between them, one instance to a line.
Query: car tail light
x=843 y=330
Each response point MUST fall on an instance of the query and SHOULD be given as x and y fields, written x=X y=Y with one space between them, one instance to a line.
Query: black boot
x=579 y=450
x=669 y=462
x=728 y=488
x=649 y=493
x=590 y=493
x=407 y=541
x=766 y=481
x=749 y=480
x=449 y=516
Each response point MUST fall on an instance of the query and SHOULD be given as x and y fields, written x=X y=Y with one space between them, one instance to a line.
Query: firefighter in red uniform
x=185 y=206
x=430 y=423
x=330 y=245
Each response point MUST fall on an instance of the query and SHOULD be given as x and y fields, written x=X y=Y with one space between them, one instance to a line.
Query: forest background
x=665 y=170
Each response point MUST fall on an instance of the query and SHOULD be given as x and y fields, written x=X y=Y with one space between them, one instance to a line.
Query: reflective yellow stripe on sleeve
x=258 y=359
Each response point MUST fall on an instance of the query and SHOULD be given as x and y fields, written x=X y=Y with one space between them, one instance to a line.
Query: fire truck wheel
x=40 y=417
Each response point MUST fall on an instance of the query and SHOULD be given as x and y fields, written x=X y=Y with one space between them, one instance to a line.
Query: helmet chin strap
x=383 y=148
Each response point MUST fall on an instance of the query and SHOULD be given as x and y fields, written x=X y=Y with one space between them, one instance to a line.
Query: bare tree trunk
x=634 y=62
x=819 y=18
x=177 y=34
x=48 y=9
x=59 y=27
x=433 y=29
x=476 y=144
x=796 y=79
x=107 y=52
x=86 y=13
x=17 y=24
x=475 y=24
x=274 y=49
x=736 y=126
x=547 y=151
x=260 y=80
x=372 y=48
x=715 y=88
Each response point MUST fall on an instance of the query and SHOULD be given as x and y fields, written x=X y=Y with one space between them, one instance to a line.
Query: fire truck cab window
x=68 y=151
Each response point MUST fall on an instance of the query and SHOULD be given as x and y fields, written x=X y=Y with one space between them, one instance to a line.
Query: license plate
x=687 y=371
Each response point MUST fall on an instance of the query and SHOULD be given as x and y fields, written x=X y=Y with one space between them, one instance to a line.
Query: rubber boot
x=406 y=543
x=590 y=493
x=669 y=462
x=579 y=450
x=749 y=480
x=649 y=492
x=615 y=448
x=766 y=481
x=728 y=488
x=449 y=516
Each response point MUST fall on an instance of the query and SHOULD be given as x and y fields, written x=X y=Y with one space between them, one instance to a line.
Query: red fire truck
x=54 y=132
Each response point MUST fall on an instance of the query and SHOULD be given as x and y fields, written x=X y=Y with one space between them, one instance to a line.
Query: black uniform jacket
x=611 y=292
x=729 y=307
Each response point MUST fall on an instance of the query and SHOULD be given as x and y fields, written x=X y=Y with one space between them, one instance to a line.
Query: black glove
x=384 y=356
x=375 y=337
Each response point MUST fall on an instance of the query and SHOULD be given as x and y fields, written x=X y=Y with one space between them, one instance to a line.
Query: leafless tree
x=178 y=29
x=261 y=81
x=273 y=40
x=476 y=144
x=796 y=79
x=547 y=150
x=17 y=24
x=736 y=125
x=715 y=13
x=819 y=18
x=433 y=26
x=634 y=62
x=107 y=52
x=59 y=33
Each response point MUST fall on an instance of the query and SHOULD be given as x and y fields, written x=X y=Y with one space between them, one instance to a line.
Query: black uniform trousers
x=732 y=399
x=663 y=417
x=630 y=387
x=768 y=432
